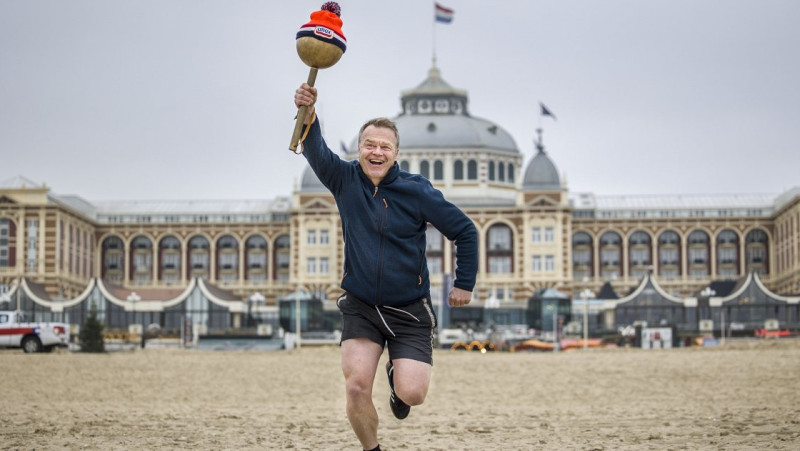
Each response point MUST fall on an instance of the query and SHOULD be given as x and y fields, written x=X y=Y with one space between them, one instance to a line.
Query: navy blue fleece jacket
x=384 y=228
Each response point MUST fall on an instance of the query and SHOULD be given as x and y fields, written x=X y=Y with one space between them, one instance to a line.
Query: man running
x=385 y=212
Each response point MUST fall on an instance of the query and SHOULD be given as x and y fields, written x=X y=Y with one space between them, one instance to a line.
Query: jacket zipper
x=379 y=274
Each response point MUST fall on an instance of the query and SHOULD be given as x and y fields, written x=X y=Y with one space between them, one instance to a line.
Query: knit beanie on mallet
x=326 y=26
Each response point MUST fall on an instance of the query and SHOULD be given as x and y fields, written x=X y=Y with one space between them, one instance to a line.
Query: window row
x=75 y=247
x=536 y=235
x=496 y=171
x=312 y=234
x=499 y=245
x=499 y=258
x=319 y=265
x=76 y=251
x=170 y=264
x=668 y=252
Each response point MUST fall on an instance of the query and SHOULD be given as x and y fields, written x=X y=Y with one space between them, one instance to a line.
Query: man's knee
x=413 y=395
x=358 y=389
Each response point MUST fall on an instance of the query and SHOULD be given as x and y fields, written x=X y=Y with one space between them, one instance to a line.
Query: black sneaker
x=399 y=408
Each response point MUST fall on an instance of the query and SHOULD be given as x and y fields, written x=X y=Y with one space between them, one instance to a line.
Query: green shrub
x=91 y=335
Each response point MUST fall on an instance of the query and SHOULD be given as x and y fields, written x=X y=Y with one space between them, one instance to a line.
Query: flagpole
x=433 y=33
x=440 y=14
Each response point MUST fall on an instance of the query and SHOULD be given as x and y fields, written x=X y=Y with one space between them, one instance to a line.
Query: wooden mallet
x=320 y=44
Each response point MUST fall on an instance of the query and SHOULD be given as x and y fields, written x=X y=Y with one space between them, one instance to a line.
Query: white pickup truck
x=31 y=337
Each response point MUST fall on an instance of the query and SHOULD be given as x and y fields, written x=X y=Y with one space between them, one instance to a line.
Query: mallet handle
x=301 y=113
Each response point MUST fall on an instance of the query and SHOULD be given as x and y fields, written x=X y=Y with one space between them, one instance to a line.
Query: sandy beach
x=742 y=396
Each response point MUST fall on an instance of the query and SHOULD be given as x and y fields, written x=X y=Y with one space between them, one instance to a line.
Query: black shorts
x=408 y=331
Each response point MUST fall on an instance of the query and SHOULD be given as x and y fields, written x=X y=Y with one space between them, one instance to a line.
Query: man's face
x=377 y=151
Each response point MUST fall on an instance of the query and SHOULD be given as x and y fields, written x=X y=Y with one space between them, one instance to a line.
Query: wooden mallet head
x=320 y=44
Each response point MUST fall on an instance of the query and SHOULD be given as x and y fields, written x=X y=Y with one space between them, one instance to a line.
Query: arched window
x=500 y=250
x=756 y=256
x=141 y=260
x=404 y=165
x=510 y=172
x=256 y=258
x=458 y=170
x=434 y=250
x=472 y=170
x=698 y=253
x=425 y=169
x=113 y=260
x=501 y=171
x=227 y=259
x=610 y=255
x=282 y=258
x=639 y=250
x=491 y=171
x=199 y=257
x=582 y=261
x=669 y=255
x=169 y=258
x=728 y=253
x=438 y=170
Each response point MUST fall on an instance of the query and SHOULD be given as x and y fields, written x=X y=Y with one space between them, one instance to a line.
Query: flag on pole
x=546 y=112
x=443 y=15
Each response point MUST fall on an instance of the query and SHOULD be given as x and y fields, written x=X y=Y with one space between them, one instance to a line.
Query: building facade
x=533 y=232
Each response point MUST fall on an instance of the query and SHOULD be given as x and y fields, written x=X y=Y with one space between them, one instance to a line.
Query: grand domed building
x=534 y=234
x=478 y=166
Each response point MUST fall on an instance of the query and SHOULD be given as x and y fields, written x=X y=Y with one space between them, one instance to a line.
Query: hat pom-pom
x=332 y=7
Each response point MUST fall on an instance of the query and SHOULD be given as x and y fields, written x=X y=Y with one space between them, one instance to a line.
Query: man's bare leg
x=360 y=358
x=411 y=380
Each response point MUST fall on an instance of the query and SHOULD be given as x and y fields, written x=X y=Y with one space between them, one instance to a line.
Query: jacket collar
x=394 y=171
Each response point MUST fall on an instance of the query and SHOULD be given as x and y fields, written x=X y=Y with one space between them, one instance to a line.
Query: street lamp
x=133 y=297
x=297 y=321
x=554 y=308
x=586 y=295
x=708 y=293
x=19 y=290
x=555 y=327
x=297 y=297
x=257 y=299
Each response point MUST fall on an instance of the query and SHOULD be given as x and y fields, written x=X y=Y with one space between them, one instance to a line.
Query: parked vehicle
x=15 y=332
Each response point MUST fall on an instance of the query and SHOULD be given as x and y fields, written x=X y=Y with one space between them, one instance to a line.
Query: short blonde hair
x=381 y=122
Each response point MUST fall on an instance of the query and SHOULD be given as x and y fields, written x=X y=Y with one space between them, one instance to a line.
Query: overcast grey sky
x=192 y=99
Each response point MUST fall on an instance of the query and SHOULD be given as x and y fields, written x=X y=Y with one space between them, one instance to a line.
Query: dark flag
x=546 y=112
x=344 y=148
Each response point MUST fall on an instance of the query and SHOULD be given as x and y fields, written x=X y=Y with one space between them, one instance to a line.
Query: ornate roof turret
x=434 y=96
x=435 y=116
x=541 y=173
x=310 y=182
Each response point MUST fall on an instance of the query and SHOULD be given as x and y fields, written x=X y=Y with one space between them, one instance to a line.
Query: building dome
x=310 y=182
x=541 y=173
x=463 y=132
x=435 y=116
